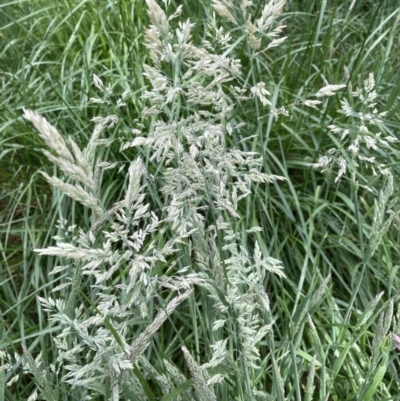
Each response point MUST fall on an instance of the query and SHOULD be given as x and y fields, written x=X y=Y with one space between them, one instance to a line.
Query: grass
x=333 y=304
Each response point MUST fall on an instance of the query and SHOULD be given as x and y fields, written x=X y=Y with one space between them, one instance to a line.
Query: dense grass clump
x=222 y=219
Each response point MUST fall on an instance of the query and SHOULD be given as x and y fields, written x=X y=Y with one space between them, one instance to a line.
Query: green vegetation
x=191 y=302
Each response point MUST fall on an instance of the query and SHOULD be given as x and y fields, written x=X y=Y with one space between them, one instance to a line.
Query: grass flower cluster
x=356 y=144
x=195 y=252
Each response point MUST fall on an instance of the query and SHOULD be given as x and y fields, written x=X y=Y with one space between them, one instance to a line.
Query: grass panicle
x=188 y=246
